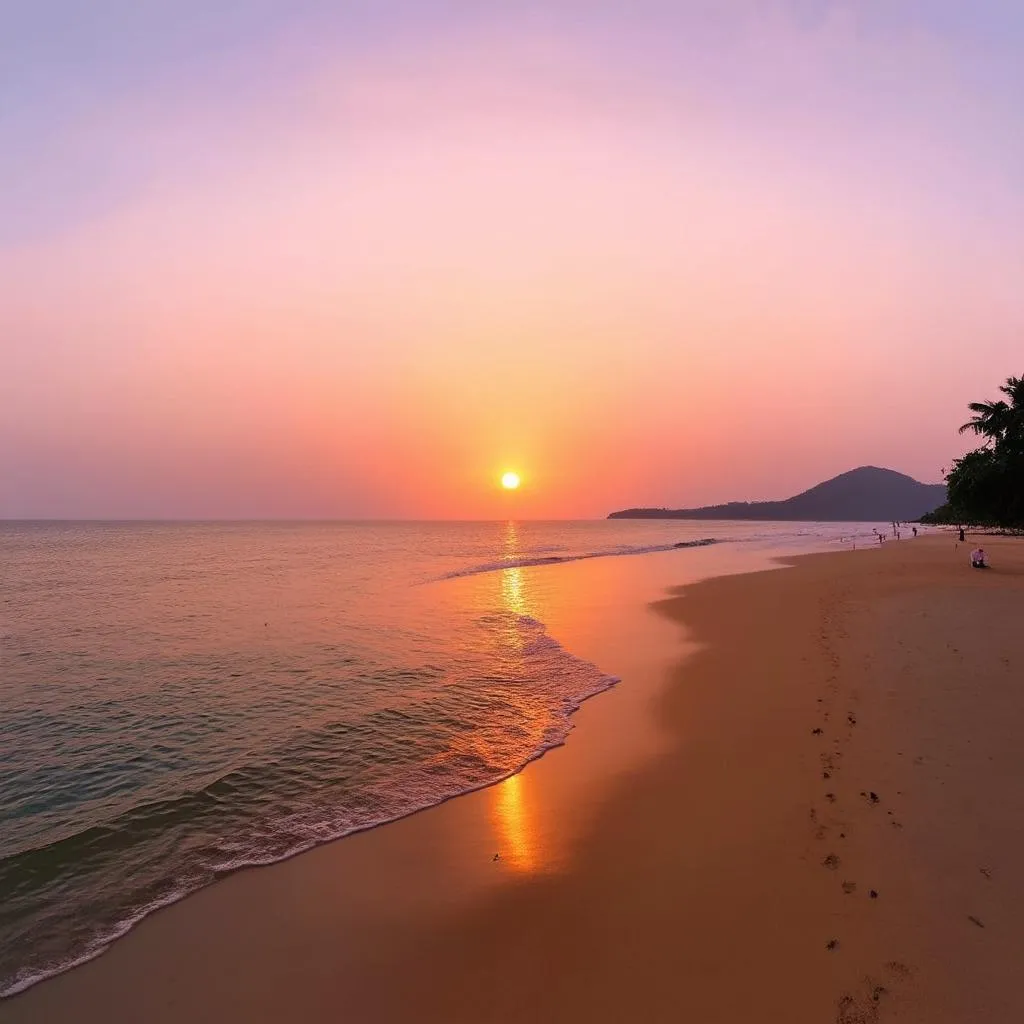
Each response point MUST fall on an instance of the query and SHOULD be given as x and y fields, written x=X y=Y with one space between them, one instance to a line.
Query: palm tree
x=987 y=485
x=1014 y=389
x=990 y=420
x=1000 y=421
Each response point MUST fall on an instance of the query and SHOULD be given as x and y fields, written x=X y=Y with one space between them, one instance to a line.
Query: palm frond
x=1014 y=390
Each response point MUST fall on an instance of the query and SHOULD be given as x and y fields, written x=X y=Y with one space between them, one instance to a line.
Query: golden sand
x=820 y=818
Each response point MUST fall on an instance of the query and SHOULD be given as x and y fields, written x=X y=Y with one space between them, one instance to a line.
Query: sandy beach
x=803 y=804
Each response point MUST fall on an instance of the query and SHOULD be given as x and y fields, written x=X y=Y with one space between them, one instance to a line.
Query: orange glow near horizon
x=660 y=258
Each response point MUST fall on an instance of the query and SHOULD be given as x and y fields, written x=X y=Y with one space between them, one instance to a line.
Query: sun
x=510 y=481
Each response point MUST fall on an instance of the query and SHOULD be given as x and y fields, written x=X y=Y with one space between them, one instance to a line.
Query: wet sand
x=805 y=805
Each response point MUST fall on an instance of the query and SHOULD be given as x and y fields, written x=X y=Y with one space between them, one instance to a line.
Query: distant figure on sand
x=914 y=528
x=978 y=560
x=961 y=535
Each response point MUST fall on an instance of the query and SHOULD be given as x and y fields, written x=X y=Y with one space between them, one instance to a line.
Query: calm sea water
x=180 y=700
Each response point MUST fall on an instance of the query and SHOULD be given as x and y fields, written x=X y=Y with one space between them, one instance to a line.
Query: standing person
x=961 y=535
x=914 y=528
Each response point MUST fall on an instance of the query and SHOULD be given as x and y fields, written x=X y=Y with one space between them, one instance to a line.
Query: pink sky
x=667 y=257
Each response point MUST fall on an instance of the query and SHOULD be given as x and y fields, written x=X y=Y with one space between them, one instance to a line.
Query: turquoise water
x=181 y=700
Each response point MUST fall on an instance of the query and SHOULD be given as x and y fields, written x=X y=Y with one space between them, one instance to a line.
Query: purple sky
x=316 y=259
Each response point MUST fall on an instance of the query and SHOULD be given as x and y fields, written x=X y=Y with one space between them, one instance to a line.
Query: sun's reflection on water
x=512 y=595
x=513 y=827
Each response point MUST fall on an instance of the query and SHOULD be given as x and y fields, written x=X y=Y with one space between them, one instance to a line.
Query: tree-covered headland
x=986 y=486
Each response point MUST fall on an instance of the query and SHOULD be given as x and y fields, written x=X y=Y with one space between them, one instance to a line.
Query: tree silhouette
x=999 y=421
x=986 y=486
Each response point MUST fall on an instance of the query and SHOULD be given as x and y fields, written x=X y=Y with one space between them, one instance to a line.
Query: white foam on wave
x=526 y=561
x=585 y=680
x=26 y=980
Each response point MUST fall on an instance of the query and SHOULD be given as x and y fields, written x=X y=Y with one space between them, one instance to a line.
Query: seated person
x=978 y=559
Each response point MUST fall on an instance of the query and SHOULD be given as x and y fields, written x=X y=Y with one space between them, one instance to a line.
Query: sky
x=300 y=258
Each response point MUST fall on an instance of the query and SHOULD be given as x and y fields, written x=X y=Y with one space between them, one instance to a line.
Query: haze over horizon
x=274 y=259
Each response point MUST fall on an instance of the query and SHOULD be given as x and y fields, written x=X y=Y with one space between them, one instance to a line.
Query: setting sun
x=510 y=481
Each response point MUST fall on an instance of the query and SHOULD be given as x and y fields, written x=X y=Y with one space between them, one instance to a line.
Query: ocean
x=180 y=700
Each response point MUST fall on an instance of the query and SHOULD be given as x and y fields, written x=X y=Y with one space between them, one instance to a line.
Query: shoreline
x=125 y=927
x=537 y=570
x=425 y=891
x=637 y=736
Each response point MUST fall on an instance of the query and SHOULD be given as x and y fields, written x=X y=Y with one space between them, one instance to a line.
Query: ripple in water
x=503 y=701
x=180 y=700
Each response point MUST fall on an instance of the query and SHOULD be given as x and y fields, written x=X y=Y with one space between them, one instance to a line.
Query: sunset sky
x=311 y=258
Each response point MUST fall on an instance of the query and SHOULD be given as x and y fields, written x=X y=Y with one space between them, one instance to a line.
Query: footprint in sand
x=831 y=862
x=864 y=1007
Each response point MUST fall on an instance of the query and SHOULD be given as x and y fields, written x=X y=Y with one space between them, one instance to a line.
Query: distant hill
x=867 y=494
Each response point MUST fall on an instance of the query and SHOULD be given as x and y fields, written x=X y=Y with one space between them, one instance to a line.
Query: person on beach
x=961 y=535
x=978 y=560
x=914 y=528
